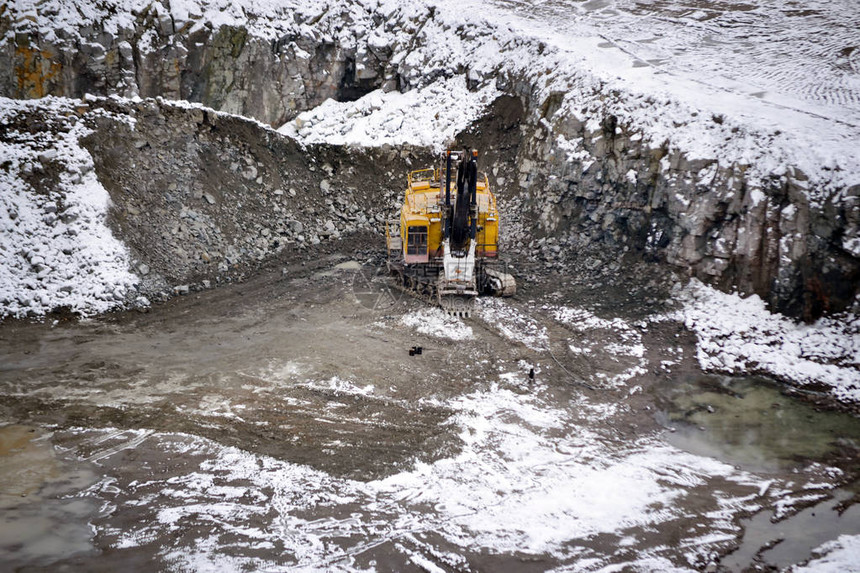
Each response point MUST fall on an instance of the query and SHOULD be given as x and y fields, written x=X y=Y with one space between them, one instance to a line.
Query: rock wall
x=598 y=192
x=221 y=194
x=225 y=68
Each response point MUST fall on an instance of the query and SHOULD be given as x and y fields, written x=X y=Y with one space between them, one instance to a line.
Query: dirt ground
x=308 y=364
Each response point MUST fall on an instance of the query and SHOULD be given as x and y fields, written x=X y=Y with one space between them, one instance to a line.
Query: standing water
x=751 y=423
x=43 y=519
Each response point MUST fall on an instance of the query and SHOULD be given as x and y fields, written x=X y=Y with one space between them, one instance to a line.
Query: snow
x=739 y=336
x=852 y=245
x=621 y=345
x=430 y=116
x=764 y=85
x=527 y=479
x=512 y=324
x=436 y=322
x=57 y=249
x=841 y=555
x=348 y=387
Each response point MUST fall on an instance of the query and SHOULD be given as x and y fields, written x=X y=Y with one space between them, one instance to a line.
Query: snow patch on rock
x=740 y=336
x=56 y=247
x=430 y=116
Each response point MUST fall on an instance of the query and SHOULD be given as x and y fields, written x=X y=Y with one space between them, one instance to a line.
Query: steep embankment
x=604 y=155
x=196 y=196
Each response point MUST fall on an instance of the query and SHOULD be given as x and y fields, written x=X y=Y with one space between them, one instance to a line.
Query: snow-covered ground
x=56 y=248
x=513 y=324
x=528 y=479
x=740 y=336
x=435 y=322
x=767 y=67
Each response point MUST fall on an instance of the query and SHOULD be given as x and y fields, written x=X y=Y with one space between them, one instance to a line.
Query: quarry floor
x=282 y=424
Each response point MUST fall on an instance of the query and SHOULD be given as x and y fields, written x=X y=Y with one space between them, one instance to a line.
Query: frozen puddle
x=748 y=421
x=528 y=483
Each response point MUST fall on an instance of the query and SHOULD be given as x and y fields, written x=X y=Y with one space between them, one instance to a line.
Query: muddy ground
x=307 y=365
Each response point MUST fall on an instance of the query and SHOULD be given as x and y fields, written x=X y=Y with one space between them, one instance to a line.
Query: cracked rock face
x=595 y=196
x=582 y=190
x=225 y=68
x=222 y=195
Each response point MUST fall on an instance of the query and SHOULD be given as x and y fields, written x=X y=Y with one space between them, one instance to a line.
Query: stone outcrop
x=598 y=191
x=221 y=194
x=225 y=68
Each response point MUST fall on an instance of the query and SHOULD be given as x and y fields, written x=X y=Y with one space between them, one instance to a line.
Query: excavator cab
x=416 y=242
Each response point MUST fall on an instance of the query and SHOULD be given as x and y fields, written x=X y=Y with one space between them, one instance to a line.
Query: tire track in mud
x=764 y=50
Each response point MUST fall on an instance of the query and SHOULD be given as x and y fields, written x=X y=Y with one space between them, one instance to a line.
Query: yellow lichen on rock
x=35 y=70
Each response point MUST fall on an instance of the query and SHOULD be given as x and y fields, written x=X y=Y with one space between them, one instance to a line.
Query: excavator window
x=416 y=240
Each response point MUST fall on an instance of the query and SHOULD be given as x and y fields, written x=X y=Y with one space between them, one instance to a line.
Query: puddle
x=749 y=422
x=41 y=522
x=26 y=460
x=796 y=536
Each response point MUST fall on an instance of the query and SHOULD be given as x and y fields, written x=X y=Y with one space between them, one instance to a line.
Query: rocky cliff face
x=591 y=193
x=221 y=194
x=154 y=54
x=583 y=188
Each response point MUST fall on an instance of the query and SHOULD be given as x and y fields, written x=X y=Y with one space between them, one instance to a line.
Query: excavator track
x=425 y=286
x=497 y=283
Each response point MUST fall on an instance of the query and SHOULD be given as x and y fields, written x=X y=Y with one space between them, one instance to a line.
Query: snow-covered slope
x=56 y=248
x=767 y=86
x=429 y=116
x=770 y=85
x=739 y=336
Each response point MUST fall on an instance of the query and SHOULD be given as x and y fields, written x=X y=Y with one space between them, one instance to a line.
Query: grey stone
x=48 y=156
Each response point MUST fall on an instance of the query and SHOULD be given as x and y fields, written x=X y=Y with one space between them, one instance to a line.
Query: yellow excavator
x=445 y=247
